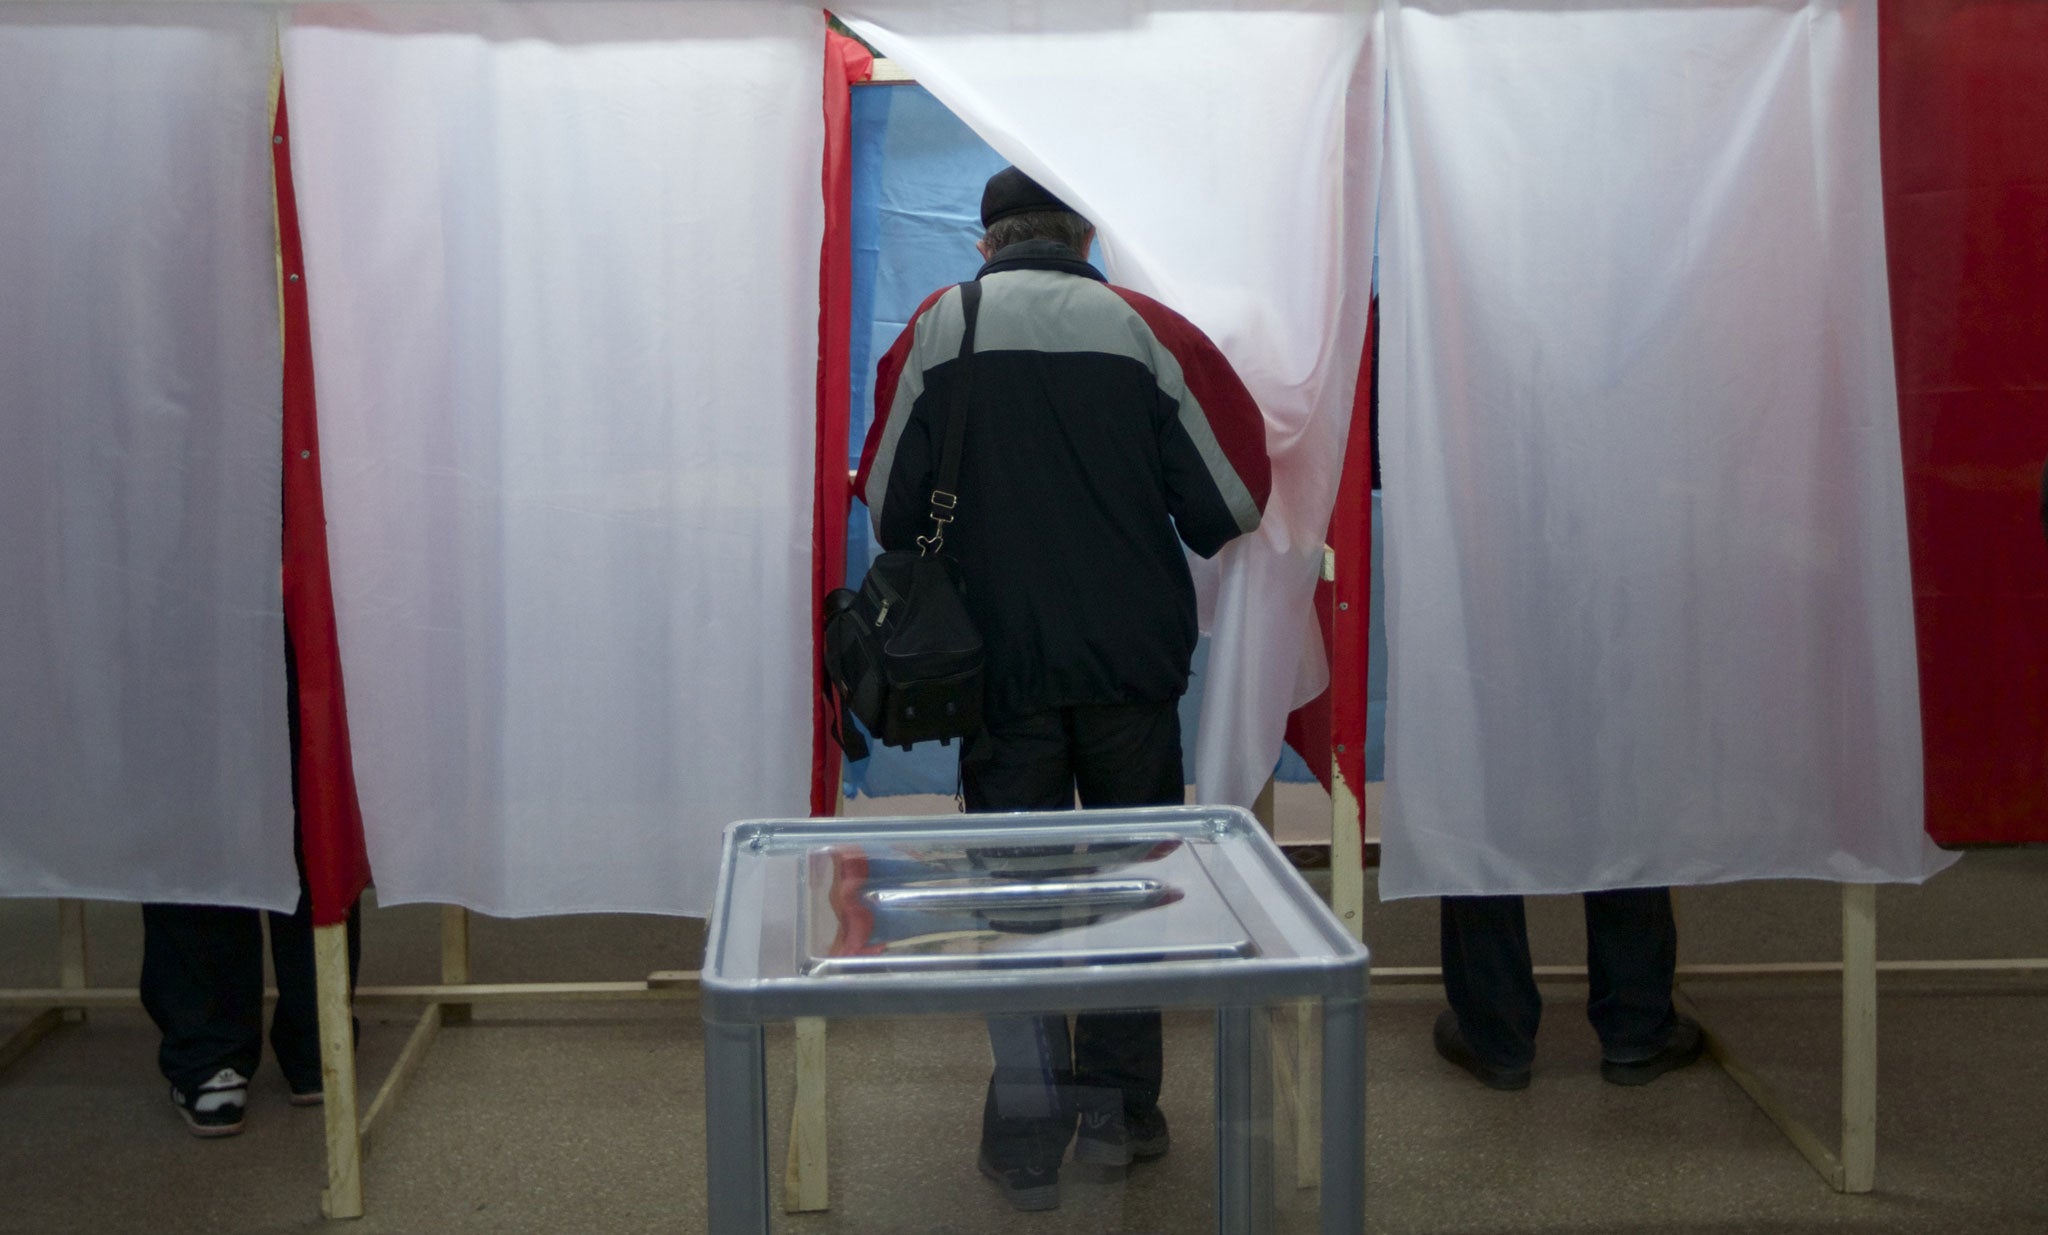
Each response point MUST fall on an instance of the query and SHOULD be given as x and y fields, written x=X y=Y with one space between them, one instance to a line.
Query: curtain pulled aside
x=563 y=262
x=1647 y=570
x=143 y=750
x=1331 y=732
x=337 y=867
x=1156 y=120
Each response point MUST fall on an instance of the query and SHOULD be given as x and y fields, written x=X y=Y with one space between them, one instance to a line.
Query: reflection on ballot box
x=909 y=907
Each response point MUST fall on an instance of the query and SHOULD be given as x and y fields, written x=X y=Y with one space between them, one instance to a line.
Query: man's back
x=1100 y=425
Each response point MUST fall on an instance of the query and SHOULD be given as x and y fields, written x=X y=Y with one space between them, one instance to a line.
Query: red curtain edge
x=846 y=62
x=1351 y=540
x=1332 y=725
x=330 y=817
x=1948 y=69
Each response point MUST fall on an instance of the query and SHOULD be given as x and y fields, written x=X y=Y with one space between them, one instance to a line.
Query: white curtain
x=142 y=691
x=563 y=264
x=1649 y=606
x=1228 y=155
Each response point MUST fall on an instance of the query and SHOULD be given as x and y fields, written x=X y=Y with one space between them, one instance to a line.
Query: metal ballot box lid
x=1070 y=910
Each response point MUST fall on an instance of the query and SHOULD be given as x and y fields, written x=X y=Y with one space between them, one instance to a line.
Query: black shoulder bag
x=901 y=653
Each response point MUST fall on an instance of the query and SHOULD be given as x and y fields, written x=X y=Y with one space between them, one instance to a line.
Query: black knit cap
x=1010 y=192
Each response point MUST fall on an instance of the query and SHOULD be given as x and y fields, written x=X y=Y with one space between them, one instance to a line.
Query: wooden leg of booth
x=23 y=1040
x=70 y=977
x=432 y=1017
x=1347 y=854
x=1308 y=1094
x=1298 y=1063
x=805 y=1180
x=804 y=1189
x=1859 y=1037
x=343 y=1196
x=1347 y=901
x=71 y=952
x=454 y=960
x=1854 y=1169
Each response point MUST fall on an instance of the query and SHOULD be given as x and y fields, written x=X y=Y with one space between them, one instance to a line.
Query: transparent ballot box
x=934 y=946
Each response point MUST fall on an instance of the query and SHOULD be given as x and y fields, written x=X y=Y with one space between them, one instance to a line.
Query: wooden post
x=804 y=1187
x=71 y=952
x=454 y=960
x=1301 y=1073
x=423 y=1032
x=343 y=1196
x=40 y=1026
x=1854 y=1169
x=1859 y=1037
x=1347 y=808
x=1347 y=853
x=1308 y=1094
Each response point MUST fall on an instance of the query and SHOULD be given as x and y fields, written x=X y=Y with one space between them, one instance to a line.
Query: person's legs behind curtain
x=1631 y=959
x=1490 y=1029
x=202 y=983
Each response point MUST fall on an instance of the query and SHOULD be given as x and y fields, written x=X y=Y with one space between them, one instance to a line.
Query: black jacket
x=1103 y=431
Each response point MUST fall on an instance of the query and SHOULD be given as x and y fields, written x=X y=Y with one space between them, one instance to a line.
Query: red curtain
x=330 y=820
x=1965 y=129
x=1336 y=718
x=846 y=62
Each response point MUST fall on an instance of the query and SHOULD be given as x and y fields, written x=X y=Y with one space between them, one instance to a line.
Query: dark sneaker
x=1028 y=1188
x=1450 y=1043
x=1115 y=1139
x=313 y=1095
x=215 y=1107
x=1101 y=1139
x=1682 y=1047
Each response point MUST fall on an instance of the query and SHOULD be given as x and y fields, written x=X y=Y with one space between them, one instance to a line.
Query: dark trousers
x=202 y=983
x=1631 y=956
x=1112 y=755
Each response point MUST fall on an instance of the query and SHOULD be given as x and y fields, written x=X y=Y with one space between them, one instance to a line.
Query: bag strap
x=945 y=498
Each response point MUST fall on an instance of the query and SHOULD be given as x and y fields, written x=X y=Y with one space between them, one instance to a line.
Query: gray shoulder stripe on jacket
x=1045 y=311
x=938 y=335
x=1064 y=314
x=1080 y=315
x=1195 y=423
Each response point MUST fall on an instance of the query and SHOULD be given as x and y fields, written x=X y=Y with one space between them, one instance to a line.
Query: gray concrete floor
x=551 y=1117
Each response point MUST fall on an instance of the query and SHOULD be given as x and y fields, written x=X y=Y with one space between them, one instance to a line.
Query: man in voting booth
x=1103 y=432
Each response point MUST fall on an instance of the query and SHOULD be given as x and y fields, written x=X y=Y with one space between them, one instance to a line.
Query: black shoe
x=1682 y=1047
x=215 y=1106
x=1451 y=1044
x=1027 y=1188
x=1113 y=1138
x=1149 y=1136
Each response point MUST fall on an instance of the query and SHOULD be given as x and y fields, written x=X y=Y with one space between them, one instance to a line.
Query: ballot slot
x=892 y=907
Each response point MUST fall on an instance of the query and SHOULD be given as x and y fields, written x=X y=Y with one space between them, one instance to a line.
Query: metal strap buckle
x=943 y=504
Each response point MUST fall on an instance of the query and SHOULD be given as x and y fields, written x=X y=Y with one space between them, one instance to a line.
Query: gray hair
x=1063 y=226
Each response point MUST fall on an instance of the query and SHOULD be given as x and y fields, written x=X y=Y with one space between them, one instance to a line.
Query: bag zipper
x=889 y=597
